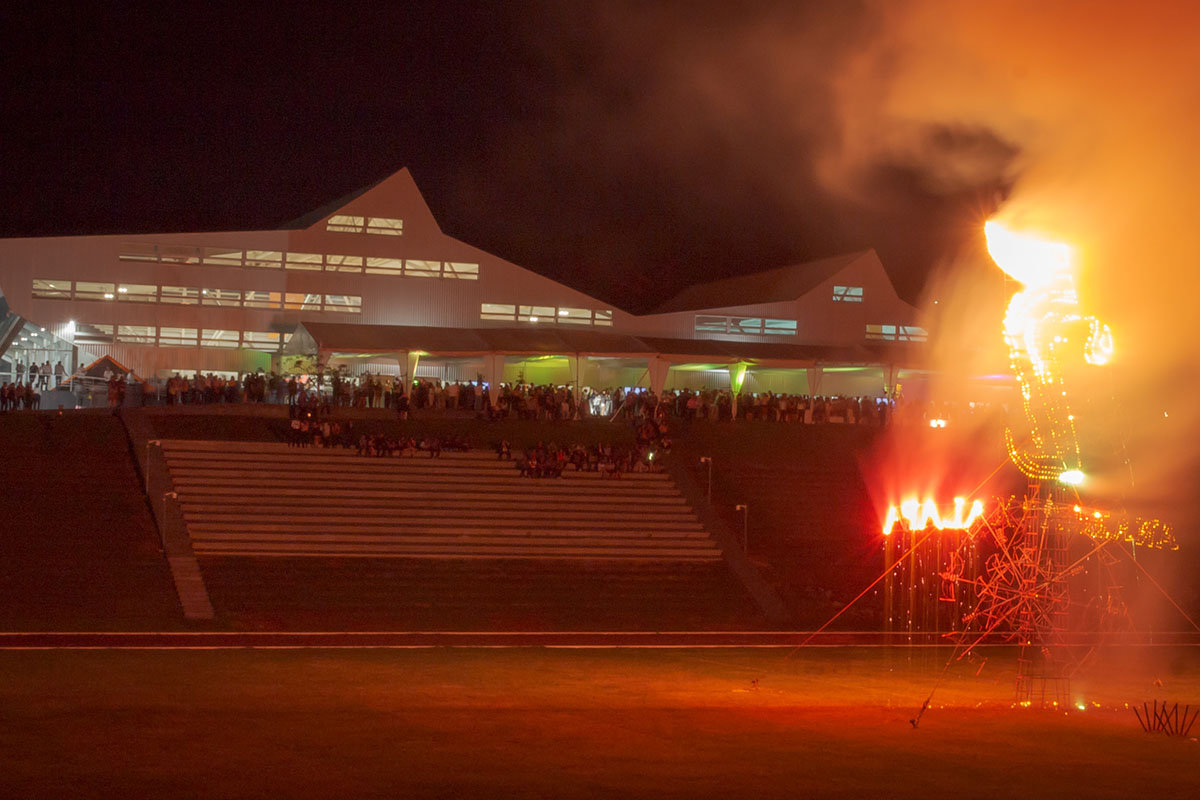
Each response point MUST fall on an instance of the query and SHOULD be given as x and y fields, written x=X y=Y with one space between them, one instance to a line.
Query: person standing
x=60 y=372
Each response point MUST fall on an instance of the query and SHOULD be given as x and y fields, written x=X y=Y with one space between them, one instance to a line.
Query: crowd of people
x=43 y=376
x=550 y=460
x=19 y=396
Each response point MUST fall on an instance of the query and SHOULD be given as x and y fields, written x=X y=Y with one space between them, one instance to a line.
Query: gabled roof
x=320 y=213
x=394 y=195
x=771 y=286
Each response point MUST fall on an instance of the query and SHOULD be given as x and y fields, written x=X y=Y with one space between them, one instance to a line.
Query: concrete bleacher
x=267 y=499
x=311 y=538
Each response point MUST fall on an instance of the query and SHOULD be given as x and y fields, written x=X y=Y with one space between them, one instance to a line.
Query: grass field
x=578 y=723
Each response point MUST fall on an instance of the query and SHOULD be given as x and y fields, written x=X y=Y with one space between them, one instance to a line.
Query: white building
x=230 y=302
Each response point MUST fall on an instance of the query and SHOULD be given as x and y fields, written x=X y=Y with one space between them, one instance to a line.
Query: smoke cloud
x=1086 y=114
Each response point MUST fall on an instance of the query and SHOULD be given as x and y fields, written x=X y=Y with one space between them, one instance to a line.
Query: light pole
x=707 y=461
x=745 y=509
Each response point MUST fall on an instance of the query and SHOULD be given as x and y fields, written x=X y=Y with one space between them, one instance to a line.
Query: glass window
x=180 y=295
x=93 y=333
x=50 y=289
x=385 y=226
x=710 y=324
x=266 y=259
x=416 y=268
x=911 y=333
x=211 y=337
x=575 y=316
x=304 y=261
x=223 y=257
x=260 y=340
x=257 y=299
x=535 y=314
x=88 y=290
x=345 y=303
x=138 y=251
x=848 y=294
x=498 y=311
x=460 y=270
x=299 y=301
x=221 y=297
x=603 y=317
x=345 y=223
x=344 y=263
x=178 y=337
x=137 y=293
x=781 y=327
x=745 y=325
x=384 y=266
x=175 y=254
x=883 y=332
x=136 y=334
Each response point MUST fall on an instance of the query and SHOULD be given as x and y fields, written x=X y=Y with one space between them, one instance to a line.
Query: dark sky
x=624 y=148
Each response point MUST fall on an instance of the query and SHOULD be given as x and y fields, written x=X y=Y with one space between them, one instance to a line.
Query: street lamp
x=745 y=509
x=707 y=460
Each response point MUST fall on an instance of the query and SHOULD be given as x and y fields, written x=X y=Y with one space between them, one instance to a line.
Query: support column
x=814 y=375
x=737 y=376
x=658 y=367
x=493 y=373
x=889 y=380
x=408 y=360
x=573 y=365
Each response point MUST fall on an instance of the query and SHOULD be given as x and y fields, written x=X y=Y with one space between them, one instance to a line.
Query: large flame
x=1046 y=333
x=917 y=515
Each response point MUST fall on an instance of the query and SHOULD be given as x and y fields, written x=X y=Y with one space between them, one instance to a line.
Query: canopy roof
x=348 y=338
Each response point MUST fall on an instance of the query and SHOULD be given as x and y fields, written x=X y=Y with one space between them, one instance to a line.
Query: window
x=137 y=293
x=257 y=299
x=51 y=289
x=221 y=297
x=847 y=294
x=911 y=333
x=260 y=340
x=385 y=226
x=218 y=338
x=894 y=333
x=498 y=311
x=222 y=257
x=304 y=261
x=87 y=290
x=745 y=325
x=711 y=324
x=344 y=263
x=604 y=317
x=175 y=254
x=345 y=303
x=344 y=223
x=180 y=295
x=178 y=337
x=457 y=269
x=384 y=266
x=136 y=334
x=414 y=268
x=91 y=333
x=780 y=327
x=299 y=301
x=138 y=251
x=265 y=259
x=575 y=316
x=535 y=314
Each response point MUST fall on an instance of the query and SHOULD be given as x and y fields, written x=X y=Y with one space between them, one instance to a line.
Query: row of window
x=897 y=333
x=349 y=223
x=45 y=289
x=847 y=294
x=711 y=323
x=502 y=312
x=99 y=333
x=303 y=262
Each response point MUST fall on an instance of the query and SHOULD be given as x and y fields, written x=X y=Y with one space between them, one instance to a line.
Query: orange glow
x=917 y=515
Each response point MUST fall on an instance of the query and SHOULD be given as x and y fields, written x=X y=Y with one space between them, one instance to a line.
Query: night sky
x=626 y=149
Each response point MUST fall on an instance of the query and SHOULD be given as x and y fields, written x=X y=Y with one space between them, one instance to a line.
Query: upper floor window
x=897 y=333
x=754 y=326
x=847 y=294
x=352 y=223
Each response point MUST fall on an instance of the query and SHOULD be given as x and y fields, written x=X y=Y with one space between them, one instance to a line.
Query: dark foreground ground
x=829 y=722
